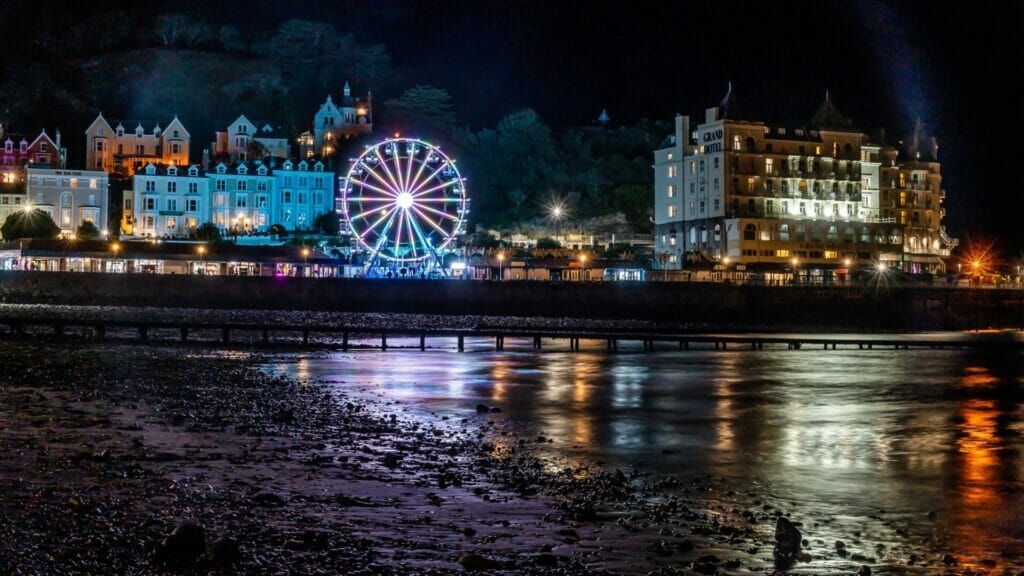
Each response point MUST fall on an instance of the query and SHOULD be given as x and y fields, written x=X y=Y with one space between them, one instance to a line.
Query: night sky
x=885 y=65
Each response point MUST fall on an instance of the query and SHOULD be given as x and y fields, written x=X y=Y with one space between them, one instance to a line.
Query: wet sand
x=107 y=449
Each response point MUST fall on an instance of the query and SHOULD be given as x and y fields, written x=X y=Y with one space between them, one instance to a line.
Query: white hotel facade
x=243 y=197
x=738 y=194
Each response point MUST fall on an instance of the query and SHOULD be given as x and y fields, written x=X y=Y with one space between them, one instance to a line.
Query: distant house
x=335 y=122
x=116 y=150
x=237 y=141
x=16 y=151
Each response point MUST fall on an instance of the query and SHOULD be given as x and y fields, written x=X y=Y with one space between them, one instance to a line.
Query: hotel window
x=150 y=186
x=150 y=203
x=220 y=219
x=193 y=187
x=172 y=205
x=769 y=166
x=319 y=181
x=287 y=196
x=835 y=149
x=172 y=186
x=261 y=186
x=221 y=199
x=803 y=208
x=701 y=206
x=318 y=198
x=671 y=210
x=240 y=201
x=831 y=254
x=149 y=222
x=693 y=167
x=714 y=162
x=750 y=184
x=735 y=142
x=261 y=201
x=303 y=182
x=716 y=183
x=172 y=223
x=193 y=205
x=903 y=180
x=302 y=197
x=671 y=173
x=140 y=149
x=819 y=210
x=221 y=184
x=241 y=185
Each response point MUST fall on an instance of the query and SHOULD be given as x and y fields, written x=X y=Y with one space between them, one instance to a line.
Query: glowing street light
x=846 y=262
x=881 y=267
x=116 y=247
x=501 y=258
x=583 y=266
x=794 y=262
x=305 y=259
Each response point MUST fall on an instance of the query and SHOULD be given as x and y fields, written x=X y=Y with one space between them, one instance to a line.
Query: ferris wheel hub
x=404 y=200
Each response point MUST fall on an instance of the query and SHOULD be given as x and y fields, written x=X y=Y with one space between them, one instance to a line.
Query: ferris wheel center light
x=404 y=200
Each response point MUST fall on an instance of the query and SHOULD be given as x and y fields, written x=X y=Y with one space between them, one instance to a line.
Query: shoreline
x=104 y=456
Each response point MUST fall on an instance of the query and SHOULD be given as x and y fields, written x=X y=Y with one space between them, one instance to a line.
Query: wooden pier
x=372 y=337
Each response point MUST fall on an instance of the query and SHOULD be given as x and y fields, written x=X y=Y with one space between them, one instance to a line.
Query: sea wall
x=712 y=305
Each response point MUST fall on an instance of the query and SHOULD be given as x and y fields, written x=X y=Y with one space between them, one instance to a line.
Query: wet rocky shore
x=134 y=460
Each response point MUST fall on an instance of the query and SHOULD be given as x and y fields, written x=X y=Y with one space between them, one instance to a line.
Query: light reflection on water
x=840 y=433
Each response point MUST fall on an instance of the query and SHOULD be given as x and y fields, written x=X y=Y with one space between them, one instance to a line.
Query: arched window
x=848 y=234
x=751 y=144
x=750 y=232
x=693 y=235
x=65 y=199
x=718 y=232
x=832 y=233
x=865 y=235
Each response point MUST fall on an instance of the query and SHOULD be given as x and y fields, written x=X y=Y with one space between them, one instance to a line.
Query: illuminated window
x=735 y=142
x=769 y=166
x=671 y=171
x=831 y=254
x=750 y=184
x=671 y=190
x=782 y=253
x=671 y=210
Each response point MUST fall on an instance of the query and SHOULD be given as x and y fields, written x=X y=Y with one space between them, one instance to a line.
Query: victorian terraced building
x=815 y=203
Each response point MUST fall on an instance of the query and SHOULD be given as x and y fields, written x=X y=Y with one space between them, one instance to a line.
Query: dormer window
x=262 y=171
x=8 y=145
x=42 y=146
x=23 y=146
x=288 y=165
x=150 y=169
x=193 y=171
x=221 y=169
x=242 y=169
x=319 y=167
x=173 y=171
x=120 y=131
x=175 y=133
x=303 y=166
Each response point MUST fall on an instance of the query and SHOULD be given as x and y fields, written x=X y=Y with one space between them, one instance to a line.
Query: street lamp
x=725 y=263
x=794 y=262
x=583 y=267
x=116 y=247
x=501 y=258
x=305 y=260
x=556 y=212
x=202 y=258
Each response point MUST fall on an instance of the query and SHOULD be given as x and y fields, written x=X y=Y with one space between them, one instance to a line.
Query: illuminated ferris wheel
x=404 y=201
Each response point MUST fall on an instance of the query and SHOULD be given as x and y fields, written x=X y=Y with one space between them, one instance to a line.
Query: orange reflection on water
x=502 y=371
x=978 y=444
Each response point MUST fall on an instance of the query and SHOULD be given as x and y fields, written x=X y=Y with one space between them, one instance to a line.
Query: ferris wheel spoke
x=362 y=199
x=412 y=238
x=383 y=234
x=398 y=231
x=432 y=222
x=408 y=168
x=435 y=188
x=440 y=212
x=415 y=183
x=391 y=177
x=366 y=213
x=436 y=200
x=386 y=191
x=377 y=223
x=423 y=239
x=388 y=186
x=428 y=179
x=398 y=170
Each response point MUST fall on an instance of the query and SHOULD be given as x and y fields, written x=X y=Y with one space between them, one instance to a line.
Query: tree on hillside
x=170 y=28
x=197 y=33
x=87 y=231
x=255 y=150
x=230 y=38
x=421 y=110
x=29 y=224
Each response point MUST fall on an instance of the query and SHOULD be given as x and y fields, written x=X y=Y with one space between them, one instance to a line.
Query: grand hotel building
x=738 y=194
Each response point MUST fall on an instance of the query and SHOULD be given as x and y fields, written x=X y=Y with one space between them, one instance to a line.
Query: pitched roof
x=828 y=116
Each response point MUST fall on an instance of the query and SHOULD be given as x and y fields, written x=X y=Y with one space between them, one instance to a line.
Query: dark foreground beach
x=134 y=460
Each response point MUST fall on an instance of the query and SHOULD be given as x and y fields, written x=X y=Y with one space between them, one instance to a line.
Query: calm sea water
x=862 y=438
